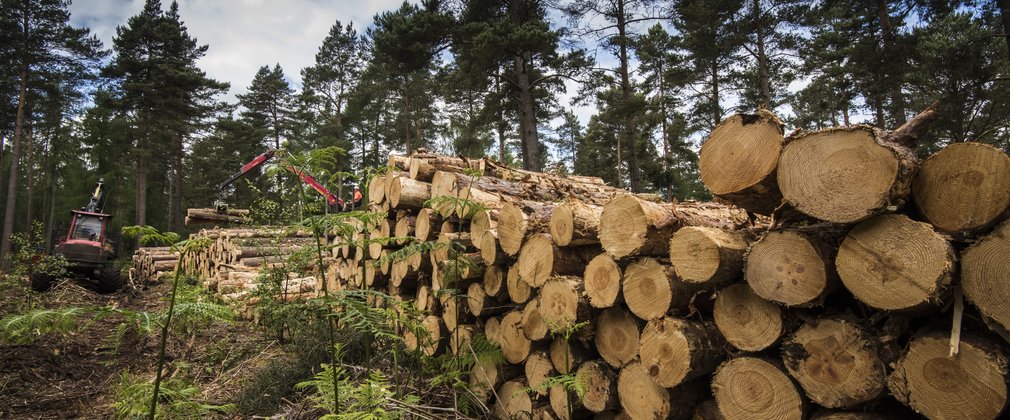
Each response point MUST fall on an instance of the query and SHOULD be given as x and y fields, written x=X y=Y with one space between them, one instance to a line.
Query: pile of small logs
x=149 y=263
x=826 y=282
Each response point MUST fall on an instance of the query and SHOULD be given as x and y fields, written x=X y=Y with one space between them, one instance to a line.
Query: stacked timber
x=839 y=305
x=149 y=263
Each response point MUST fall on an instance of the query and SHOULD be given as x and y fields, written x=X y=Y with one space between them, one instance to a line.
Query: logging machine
x=335 y=203
x=87 y=247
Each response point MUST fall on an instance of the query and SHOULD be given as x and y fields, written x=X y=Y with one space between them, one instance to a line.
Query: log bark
x=603 y=281
x=632 y=226
x=964 y=188
x=971 y=384
x=540 y=259
x=617 y=336
x=836 y=362
x=675 y=351
x=985 y=275
x=751 y=388
x=200 y=216
x=893 y=263
x=738 y=161
x=745 y=320
x=575 y=223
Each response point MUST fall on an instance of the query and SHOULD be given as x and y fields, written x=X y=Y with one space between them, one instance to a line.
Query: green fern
x=465 y=207
x=26 y=328
x=150 y=236
x=177 y=397
x=569 y=382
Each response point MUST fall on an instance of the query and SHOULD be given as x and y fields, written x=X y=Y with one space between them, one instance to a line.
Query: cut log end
x=964 y=187
x=617 y=336
x=891 y=262
x=836 y=362
x=840 y=175
x=647 y=288
x=971 y=385
x=513 y=401
x=514 y=344
x=789 y=268
x=739 y=159
x=751 y=388
x=602 y=281
x=700 y=255
x=985 y=275
x=600 y=384
x=641 y=397
x=674 y=350
x=747 y=322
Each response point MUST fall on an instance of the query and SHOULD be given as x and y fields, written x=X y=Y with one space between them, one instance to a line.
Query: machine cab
x=87 y=227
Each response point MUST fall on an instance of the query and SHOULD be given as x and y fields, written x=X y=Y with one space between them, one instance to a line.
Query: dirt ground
x=76 y=376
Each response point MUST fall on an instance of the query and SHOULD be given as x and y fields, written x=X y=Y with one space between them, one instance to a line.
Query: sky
x=242 y=35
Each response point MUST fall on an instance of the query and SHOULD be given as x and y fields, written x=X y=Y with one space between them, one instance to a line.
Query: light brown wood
x=674 y=350
x=845 y=174
x=376 y=189
x=745 y=320
x=651 y=289
x=633 y=226
x=514 y=344
x=985 y=275
x=603 y=281
x=971 y=385
x=519 y=220
x=791 y=267
x=490 y=252
x=207 y=216
x=891 y=262
x=563 y=303
x=963 y=188
x=406 y=193
x=494 y=283
x=482 y=222
x=748 y=388
x=617 y=336
x=533 y=323
x=423 y=223
x=641 y=397
x=837 y=362
x=738 y=161
x=443 y=184
x=460 y=338
x=575 y=223
x=538 y=368
x=518 y=290
x=707 y=255
x=430 y=343
x=514 y=402
x=566 y=404
x=540 y=259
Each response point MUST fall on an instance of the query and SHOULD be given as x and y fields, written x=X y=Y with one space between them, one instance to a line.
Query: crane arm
x=258 y=161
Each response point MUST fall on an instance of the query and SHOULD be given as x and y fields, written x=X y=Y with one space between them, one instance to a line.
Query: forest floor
x=80 y=374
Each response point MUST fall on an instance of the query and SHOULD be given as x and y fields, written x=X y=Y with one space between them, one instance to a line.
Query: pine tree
x=327 y=85
x=38 y=45
x=266 y=107
x=166 y=95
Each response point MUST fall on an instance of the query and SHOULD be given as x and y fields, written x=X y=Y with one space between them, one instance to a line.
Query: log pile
x=149 y=263
x=838 y=305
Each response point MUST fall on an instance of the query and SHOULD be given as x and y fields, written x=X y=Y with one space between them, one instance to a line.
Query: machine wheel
x=109 y=280
x=41 y=281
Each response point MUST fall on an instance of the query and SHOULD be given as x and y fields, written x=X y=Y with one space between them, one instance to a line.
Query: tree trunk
x=1004 y=14
x=29 y=180
x=893 y=86
x=12 y=176
x=762 y=59
x=630 y=140
x=141 y=196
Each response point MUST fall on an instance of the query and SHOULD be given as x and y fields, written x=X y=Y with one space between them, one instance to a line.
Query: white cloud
x=243 y=35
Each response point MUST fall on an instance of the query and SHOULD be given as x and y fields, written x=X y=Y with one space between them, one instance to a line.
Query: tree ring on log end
x=985 y=275
x=785 y=267
x=963 y=187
